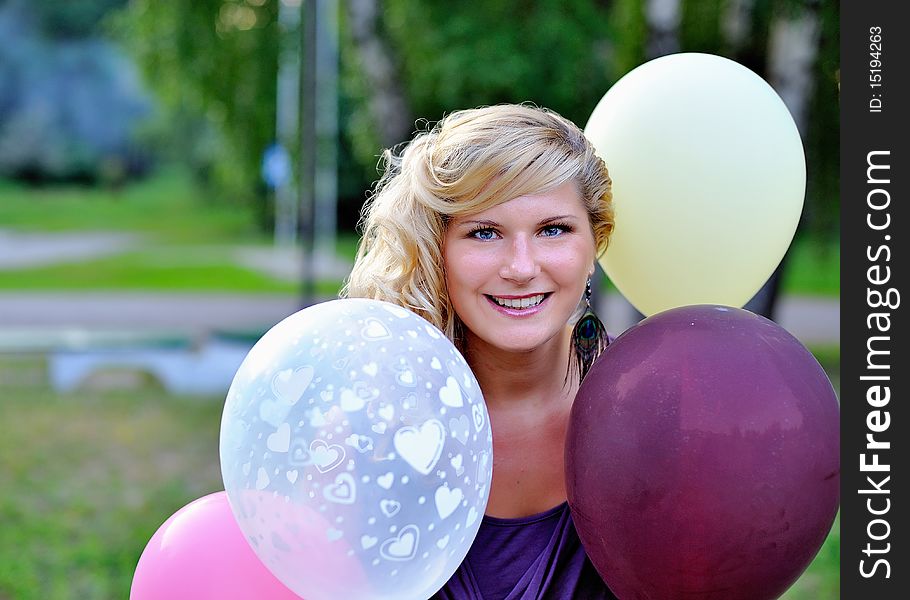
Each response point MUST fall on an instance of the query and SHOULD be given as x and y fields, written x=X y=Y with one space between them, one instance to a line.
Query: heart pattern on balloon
x=280 y=441
x=361 y=443
x=405 y=377
x=403 y=546
x=447 y=500
x=389 y=508
x=478 y=414
x=343 y=491
x=457 y=463
x=333 y=535
x=326 y=457
x=374 y=330
x=274 y=411
x=289 y=385
x=421 y=446
x=461 y=428
x=262 y=479
x=371 y=369
x=450 y=395
x=387 y=412
x=353 y=400
x=386 y=481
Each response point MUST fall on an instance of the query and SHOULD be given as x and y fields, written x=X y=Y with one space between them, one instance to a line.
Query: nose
x=520 y=265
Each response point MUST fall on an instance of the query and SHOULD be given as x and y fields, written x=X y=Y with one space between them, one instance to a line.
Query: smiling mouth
x=519 y=303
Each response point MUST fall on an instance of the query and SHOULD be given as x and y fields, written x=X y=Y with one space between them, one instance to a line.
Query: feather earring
x=589 y=337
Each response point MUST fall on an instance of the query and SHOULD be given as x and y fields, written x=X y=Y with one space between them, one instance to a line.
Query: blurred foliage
x=217 y=59
x=69 y=101
x=822 y=213
x=630 y=32
x=700 y=27
x=213 y=64
x=553 y=53
x=453 y=56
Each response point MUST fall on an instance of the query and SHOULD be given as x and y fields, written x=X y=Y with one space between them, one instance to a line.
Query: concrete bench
x=183 y=367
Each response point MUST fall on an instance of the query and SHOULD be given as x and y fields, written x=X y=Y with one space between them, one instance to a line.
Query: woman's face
x=516 y=272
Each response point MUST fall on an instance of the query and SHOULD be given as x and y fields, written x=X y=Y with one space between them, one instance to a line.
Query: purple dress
x=531 y=558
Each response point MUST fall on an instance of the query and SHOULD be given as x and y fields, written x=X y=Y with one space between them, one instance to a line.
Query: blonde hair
x=468 y=162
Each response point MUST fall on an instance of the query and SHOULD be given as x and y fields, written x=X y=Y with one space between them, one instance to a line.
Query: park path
x=24 y=250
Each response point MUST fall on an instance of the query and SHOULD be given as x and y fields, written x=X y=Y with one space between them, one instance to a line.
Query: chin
x=507 y=342
x=518 y=349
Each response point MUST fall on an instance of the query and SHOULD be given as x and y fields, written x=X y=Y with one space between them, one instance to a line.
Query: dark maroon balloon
x=702 y=458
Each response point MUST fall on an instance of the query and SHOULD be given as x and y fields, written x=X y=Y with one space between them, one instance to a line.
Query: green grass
x=161 y=269
x=828 y=356
x=186 y=238
x=812 y=268
x=166 y=207
x=87 y=478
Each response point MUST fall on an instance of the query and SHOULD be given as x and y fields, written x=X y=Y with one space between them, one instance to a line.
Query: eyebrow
x=488 y=223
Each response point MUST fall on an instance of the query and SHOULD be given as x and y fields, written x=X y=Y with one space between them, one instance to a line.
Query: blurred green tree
x=452 y=56
x=218 y=60
x=403 y=61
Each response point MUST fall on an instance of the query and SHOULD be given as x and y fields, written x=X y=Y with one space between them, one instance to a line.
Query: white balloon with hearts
x=356 y=452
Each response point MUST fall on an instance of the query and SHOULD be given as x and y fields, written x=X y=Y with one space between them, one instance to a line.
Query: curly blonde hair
x=466 y=163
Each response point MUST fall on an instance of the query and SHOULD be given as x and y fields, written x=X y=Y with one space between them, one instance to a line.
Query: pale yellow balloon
x=708 y=176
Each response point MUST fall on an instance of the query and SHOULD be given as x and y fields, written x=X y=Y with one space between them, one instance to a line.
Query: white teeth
x=519 y=302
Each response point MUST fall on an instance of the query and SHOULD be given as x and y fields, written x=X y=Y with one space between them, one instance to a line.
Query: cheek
x=573 y=262
x=460 y=274
x=466 y=265
x=452 y=264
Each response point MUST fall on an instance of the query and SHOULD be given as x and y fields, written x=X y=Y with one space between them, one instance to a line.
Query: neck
x=529 y=401
x=519 y=378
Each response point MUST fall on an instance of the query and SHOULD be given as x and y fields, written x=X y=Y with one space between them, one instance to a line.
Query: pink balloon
x=199 y=553
x=311 y=558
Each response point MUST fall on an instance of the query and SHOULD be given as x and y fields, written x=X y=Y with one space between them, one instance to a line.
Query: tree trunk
x=792 y=52
x=388 y=103
x=736 y=24
x=662 y=17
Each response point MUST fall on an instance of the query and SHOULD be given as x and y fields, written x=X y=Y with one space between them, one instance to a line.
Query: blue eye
x=483 y=234
x=555 y=230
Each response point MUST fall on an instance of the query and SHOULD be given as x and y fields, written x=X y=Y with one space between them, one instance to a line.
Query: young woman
x=488 y=226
